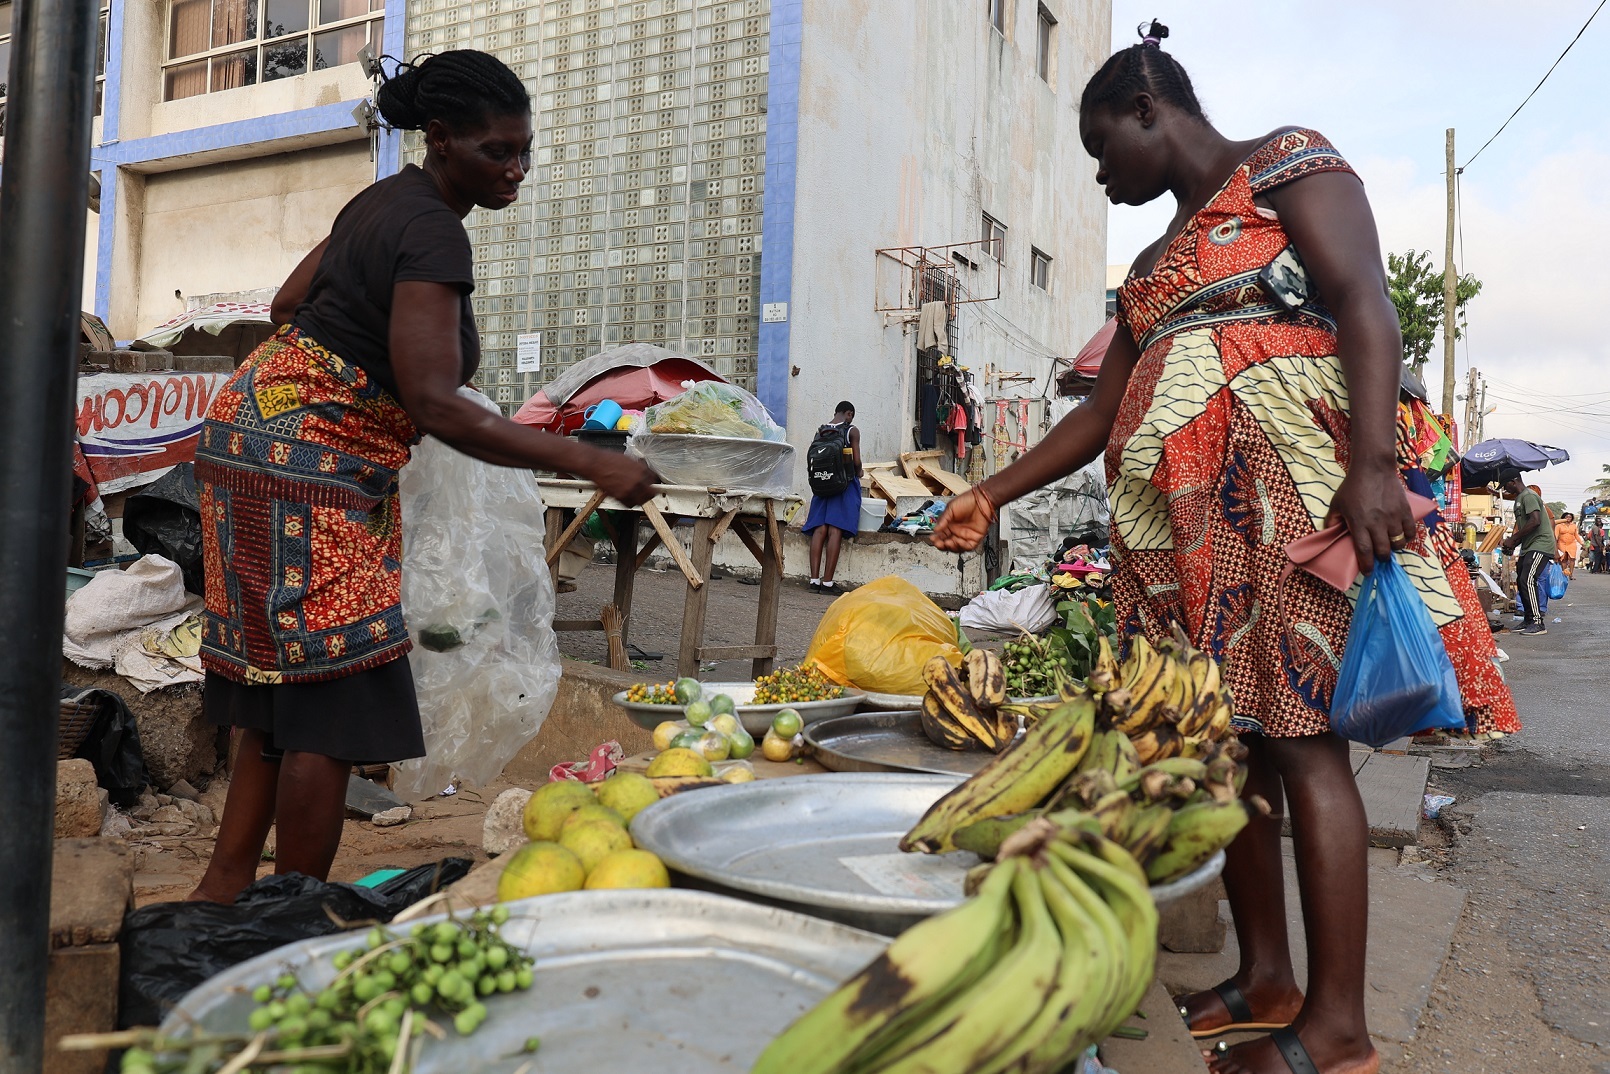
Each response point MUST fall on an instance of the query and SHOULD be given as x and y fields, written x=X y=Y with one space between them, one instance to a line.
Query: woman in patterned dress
x=303 y=639
x=1249 y=398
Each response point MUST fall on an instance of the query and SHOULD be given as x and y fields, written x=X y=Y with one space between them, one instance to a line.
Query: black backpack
x=827 y=463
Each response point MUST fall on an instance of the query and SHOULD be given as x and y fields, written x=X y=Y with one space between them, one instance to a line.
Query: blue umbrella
x=1483 y=461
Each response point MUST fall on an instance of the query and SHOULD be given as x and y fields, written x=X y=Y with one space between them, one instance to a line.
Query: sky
x=1383 y=79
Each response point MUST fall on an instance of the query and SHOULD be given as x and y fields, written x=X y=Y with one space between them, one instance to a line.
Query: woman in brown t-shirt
x=304 y=643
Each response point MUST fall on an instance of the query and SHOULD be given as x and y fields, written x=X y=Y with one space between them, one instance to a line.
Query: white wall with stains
x=915 y=119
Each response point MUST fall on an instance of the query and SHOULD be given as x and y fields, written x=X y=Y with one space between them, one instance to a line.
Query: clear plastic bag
x=479 y=603
x=717 y=461
x=878 y=636
x=713 y=408
x=1396 y=678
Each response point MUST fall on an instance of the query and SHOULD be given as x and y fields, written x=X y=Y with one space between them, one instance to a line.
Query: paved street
x=1527 y=985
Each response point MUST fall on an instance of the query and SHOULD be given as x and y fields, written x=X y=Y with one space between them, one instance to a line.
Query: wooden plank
x=648 y=548
x=1494 y=538
x=753 y=545
x=711 y=653
x=694 y=576
x=698 y=597
x=774 y=539
x=624 y=535
x=1393 y=789
x=553 y=522
x=910 y=460
x=721 y=526
x=578 y=624
x=952 y=484
x=892 y=488
x=771 y=584
x=575 y=527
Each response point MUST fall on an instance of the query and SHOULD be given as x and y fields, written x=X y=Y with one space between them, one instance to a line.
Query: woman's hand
x=621 y=476
x=1372 y=502
x=965 y=523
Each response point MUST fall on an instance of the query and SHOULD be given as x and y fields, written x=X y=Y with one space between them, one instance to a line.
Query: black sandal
x=1291 y=1049
x=1242 y=1019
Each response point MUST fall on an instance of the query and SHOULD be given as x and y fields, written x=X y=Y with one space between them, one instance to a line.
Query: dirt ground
x=167 y=869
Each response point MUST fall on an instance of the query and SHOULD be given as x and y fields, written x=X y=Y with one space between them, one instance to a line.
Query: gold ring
x=1397 y=537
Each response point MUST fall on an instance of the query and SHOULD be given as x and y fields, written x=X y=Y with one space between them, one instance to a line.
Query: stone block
x=582 y=716
x=91 y=888
x=80 y=997
x=177 y=742
x=202 y=363
x=79 y=812
x=504 y=828
x=1192 y=924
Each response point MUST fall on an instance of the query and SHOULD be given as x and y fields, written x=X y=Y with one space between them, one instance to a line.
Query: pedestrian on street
x=1260 y=319
x=1534 y=538
x=834 y=462
x=1569 y=542
x=1596 y=548
x=303 y=639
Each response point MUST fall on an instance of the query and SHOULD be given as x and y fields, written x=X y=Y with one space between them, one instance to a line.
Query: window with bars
x=216 y=45
x=994 y=238
x=1040 y=269
x=5 y=59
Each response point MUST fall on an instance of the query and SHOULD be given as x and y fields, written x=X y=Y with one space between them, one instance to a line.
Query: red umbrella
x=634 y=376
x=1087 y=363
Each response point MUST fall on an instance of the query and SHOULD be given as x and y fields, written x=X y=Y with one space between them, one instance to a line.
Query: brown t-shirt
x=398 y=229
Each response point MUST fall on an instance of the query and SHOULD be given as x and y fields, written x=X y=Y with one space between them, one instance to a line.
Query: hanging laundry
x=932 y=322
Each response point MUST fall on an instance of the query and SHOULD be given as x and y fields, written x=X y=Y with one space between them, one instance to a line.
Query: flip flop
x=1291 y=1049
x=1242 y=1019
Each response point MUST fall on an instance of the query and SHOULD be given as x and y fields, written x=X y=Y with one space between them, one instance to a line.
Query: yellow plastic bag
x=879 y=636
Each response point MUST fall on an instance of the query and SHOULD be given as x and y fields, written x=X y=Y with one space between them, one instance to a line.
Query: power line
x=1539 y=85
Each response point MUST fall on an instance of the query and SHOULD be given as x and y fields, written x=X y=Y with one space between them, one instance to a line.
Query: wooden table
x=713 y=513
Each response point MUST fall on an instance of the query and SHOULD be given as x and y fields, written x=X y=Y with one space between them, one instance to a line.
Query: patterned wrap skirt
x=302 y=544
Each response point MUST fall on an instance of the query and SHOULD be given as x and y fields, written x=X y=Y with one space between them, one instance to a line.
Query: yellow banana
x=1141 y=657
x=1158 y=744
x=986 y=678
x=1195 y=717
x=1105 y=671
x=984 y=837
x=1172 y=766
x=947 y=687
x=1015 y=780
x=1147 y=697
x=942 y=728
x=924 y=967
x=1144 y=830
x=977 y=1026
x=1195 y=834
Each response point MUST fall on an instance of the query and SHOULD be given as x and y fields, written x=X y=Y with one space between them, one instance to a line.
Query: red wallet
x=1328 y=554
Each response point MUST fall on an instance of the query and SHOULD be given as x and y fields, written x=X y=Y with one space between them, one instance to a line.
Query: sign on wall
x=134 y=426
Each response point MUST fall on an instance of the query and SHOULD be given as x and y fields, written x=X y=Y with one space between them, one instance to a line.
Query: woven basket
x=77 y=717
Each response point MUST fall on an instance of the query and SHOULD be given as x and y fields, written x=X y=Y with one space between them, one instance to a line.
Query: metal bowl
x=756 y=719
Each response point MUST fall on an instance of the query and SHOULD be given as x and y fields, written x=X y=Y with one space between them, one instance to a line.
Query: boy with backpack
x=833 y=464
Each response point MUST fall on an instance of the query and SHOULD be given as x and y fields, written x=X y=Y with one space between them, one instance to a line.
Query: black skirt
x=371 y=717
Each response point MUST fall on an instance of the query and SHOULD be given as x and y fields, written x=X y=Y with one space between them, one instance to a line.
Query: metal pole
x=43 y=198
x=1450 y=281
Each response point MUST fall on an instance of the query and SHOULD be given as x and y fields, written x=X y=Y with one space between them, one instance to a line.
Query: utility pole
x=1450 y=282
x=48 y=110
x=1471 y=410
x=1481 y=411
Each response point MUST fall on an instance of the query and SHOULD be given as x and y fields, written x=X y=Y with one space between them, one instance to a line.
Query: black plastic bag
x=165 y=519
x=112 y=745
x=171 y=947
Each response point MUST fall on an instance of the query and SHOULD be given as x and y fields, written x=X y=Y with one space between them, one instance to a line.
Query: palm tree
x=1600 y=489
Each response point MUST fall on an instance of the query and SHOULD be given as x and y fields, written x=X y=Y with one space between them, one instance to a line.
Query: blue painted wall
x=777 y=224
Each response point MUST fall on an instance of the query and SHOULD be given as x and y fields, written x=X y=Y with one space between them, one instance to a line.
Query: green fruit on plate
x=721 y=703
x=698 y=713
x=742 y=745
x=687 y=691
x=787 y=723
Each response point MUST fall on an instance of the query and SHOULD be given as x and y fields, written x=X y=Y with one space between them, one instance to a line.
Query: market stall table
x=713 y=512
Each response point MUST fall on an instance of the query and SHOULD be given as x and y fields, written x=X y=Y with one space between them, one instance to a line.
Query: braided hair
x=462 y=88
x=1142 y=68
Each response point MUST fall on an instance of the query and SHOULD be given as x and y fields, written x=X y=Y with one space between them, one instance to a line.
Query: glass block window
x=641 y=218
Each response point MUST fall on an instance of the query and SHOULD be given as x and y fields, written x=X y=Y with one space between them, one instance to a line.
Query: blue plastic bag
x=1554 y=580
x=1396 y=678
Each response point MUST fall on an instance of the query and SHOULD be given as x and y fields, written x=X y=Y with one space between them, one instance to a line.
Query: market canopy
x=1087 y=363
x=1482 y=462
x=231 y=329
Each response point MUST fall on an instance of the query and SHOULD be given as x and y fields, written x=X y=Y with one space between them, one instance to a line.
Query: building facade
x=772 y=186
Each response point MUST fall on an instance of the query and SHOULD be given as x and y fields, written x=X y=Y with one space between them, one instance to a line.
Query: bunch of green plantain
x=1171 y=815
x=1052 y=953
x=1170 y=699
x=967 y=709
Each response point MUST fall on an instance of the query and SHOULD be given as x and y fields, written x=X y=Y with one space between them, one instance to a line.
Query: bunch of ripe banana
x=1169 y=700
x=967 y=710
x=1051 y=954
